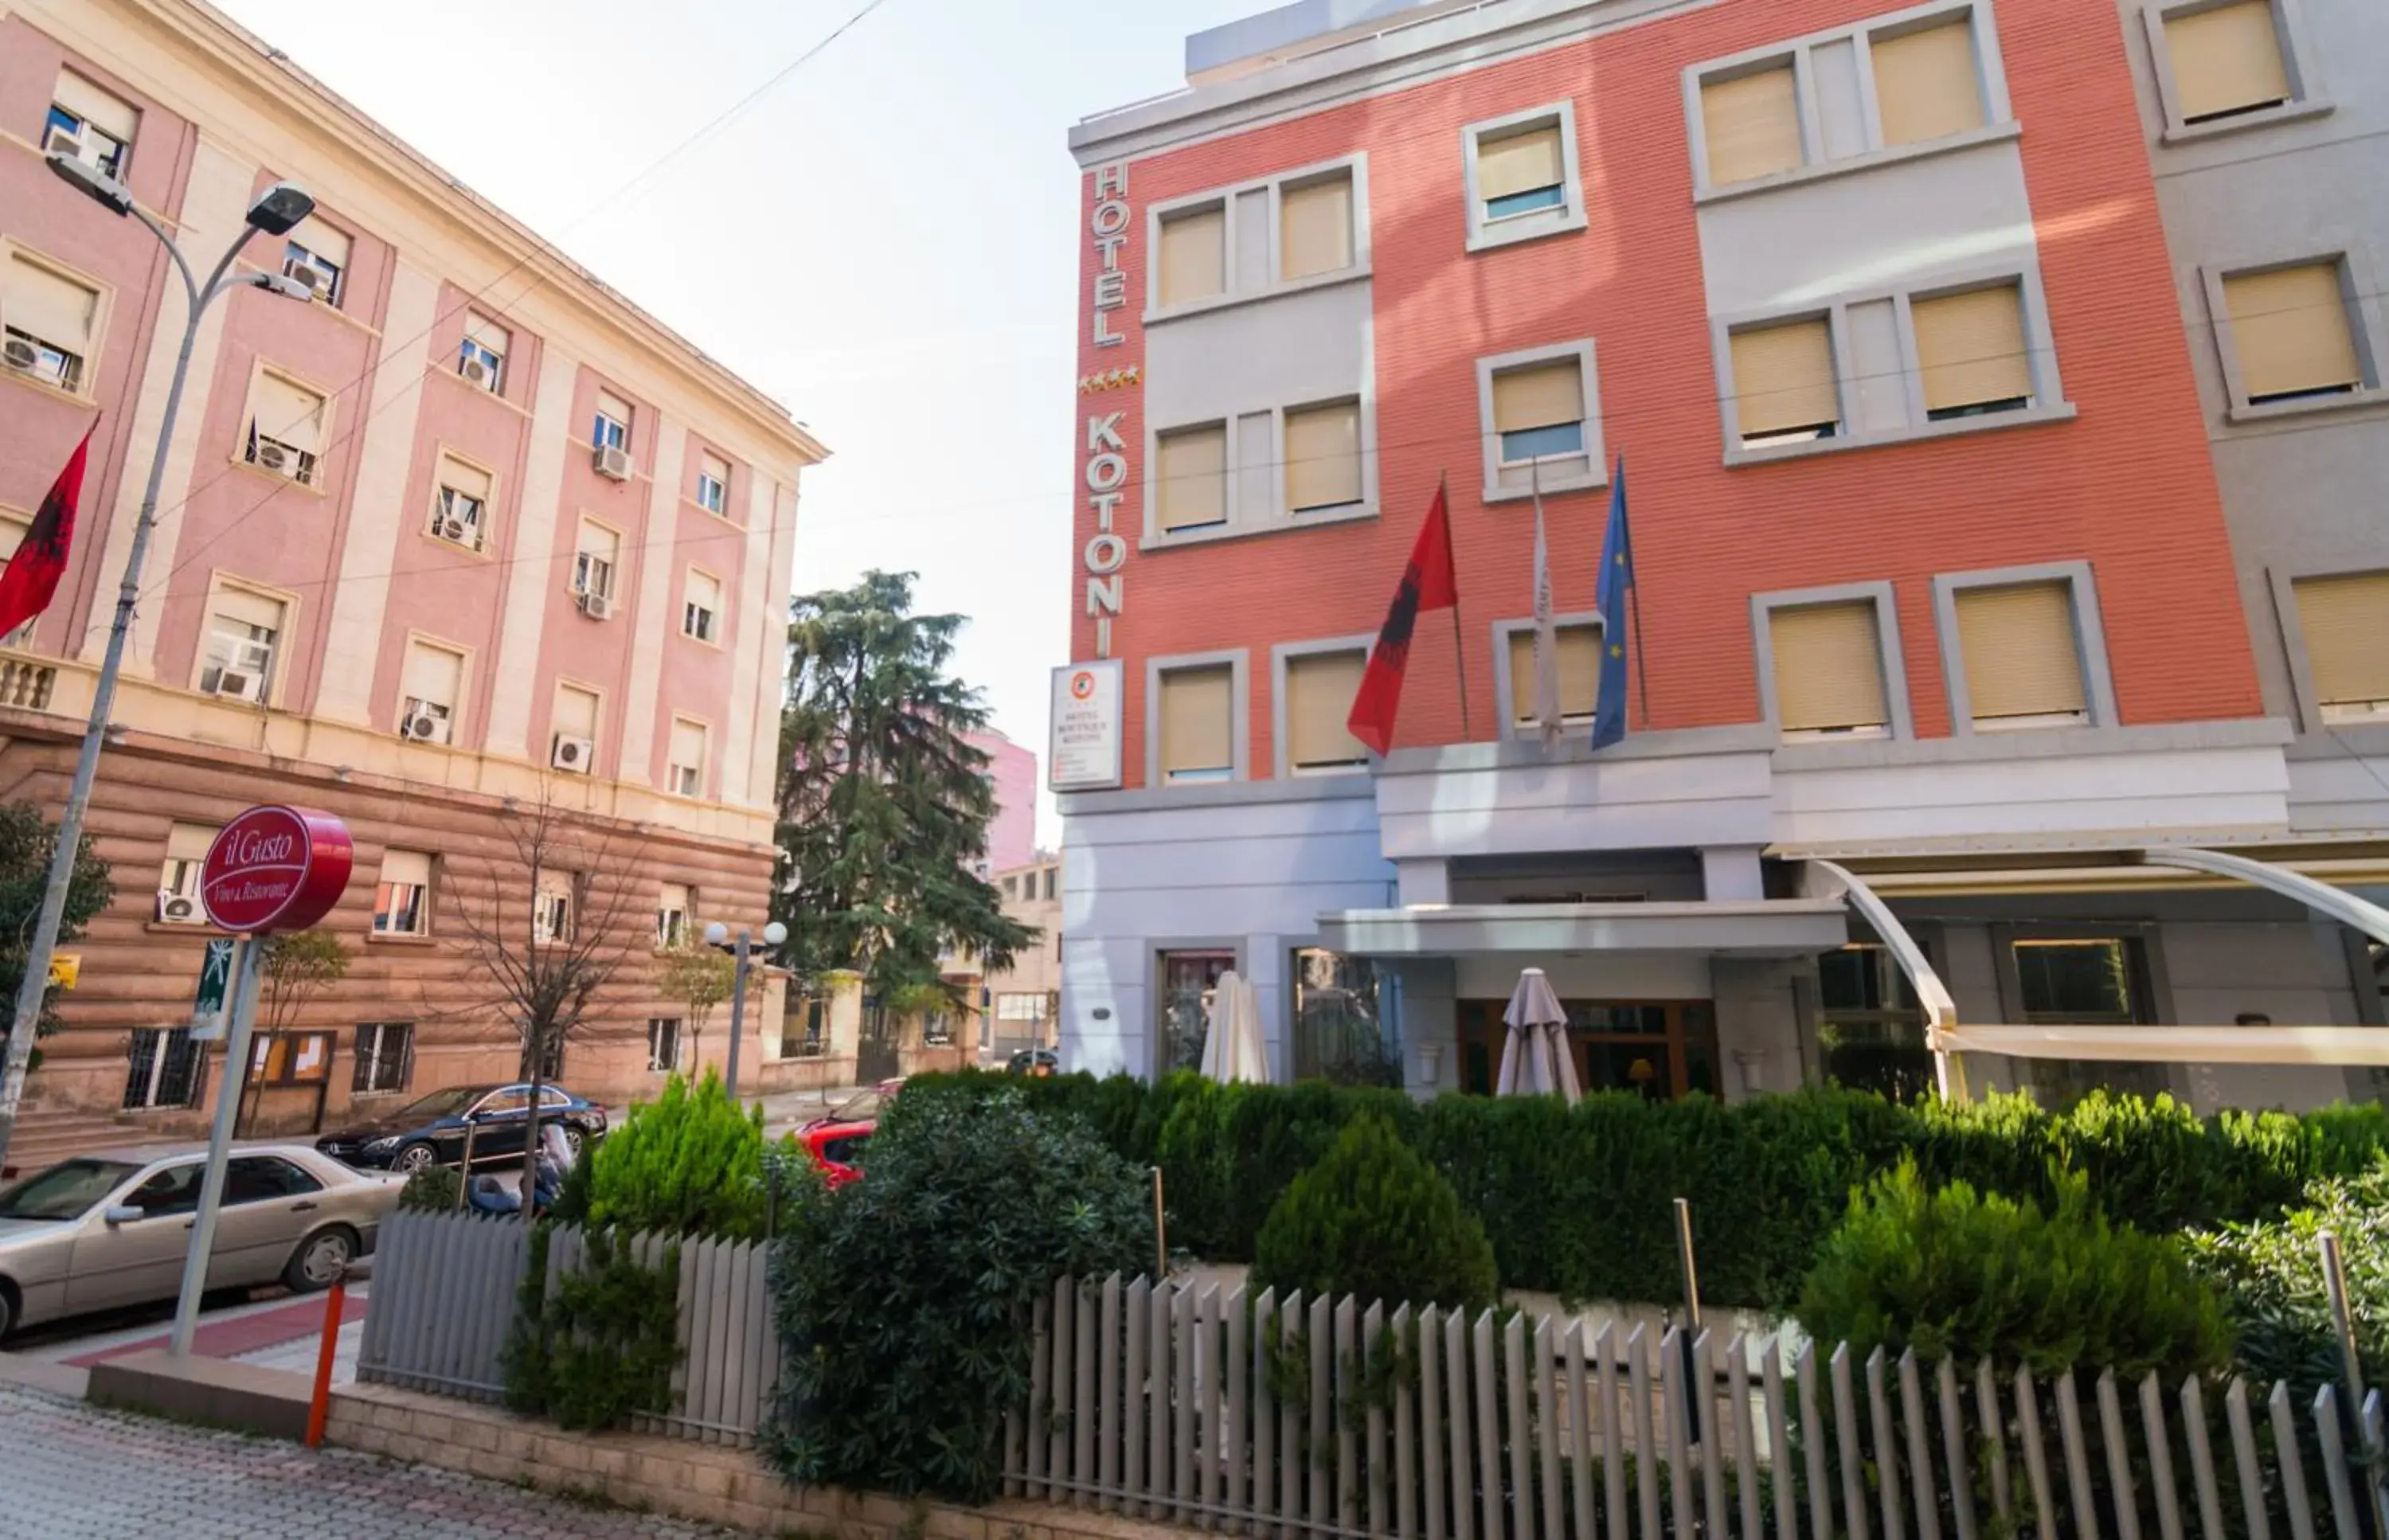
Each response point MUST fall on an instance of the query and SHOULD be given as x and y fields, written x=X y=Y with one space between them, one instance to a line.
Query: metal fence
x=1325 y=1418
x=445 y=1300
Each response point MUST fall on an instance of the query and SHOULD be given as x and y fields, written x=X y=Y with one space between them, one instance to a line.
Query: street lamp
x=717 y=936
x=276 y=211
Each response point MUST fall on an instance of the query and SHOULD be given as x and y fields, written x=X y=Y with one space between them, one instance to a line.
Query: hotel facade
x=466 y=545
x=1999 y=387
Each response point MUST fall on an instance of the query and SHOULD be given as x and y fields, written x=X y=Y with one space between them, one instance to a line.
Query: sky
x=887 y=242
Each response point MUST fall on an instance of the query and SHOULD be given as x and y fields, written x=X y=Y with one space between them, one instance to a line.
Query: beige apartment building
x=1023 y=1001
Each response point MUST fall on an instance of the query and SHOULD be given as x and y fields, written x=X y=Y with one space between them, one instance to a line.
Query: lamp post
x=276 y=211
x=717 y=935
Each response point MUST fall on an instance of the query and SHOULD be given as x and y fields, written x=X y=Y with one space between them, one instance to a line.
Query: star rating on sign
x=1108 y=379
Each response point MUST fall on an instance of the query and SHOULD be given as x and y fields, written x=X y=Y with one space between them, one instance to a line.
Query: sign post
x=273 y=869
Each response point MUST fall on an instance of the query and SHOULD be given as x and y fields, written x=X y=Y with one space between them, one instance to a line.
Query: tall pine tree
x=883 y=807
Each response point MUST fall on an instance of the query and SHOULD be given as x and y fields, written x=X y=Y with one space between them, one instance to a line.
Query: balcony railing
x=26 y=681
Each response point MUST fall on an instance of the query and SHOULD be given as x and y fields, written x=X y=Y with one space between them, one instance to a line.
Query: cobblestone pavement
x=69 y=1472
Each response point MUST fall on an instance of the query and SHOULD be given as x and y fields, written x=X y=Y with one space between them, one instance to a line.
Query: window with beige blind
x=187 y=852
x=1784 y=386
x=1315 y=227
x=1579 y=661
x=675 y=905
x=2023 y=656
x=1973 y=351
x=1322 y=457
x=1927 y=84
x=482 y=356
x=1319 y=692
x=610 y=428
x=2227 y=60
x=460 y=502
x=285 y=431
x=2291 y=337
x=1521 y=171
x=713 y=483
x=1194 y=256
x=1189 y=478
x=2344 y=618
x=1196 y=716
x=1750 y=125
x=431 y=692
x=241 y=656
x=89 y=124
x=572 y=729
x=1539 y=410
x=49 y=324
x=403 y=894
x=317 y=254
x=700 y=610
x=684 y=768
x=1828 y=670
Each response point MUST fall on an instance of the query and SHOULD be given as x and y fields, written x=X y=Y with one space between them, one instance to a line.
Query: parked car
x=430 y=1130
x=110 y=1230
x=838 y=1148
x=864 y=1106
x=1038 y=1061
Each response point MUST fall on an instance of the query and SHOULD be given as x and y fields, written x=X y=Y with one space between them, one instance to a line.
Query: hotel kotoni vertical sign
x=1105 y=449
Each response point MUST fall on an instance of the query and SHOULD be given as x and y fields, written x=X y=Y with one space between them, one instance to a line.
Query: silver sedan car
x=112 y=1229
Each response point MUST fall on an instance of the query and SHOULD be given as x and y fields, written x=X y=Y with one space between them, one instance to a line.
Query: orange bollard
x=320 y=1406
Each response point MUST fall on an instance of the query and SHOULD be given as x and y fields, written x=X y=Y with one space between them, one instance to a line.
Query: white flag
x=1547 y=641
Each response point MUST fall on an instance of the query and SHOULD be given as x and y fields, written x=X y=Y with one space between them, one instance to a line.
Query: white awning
x=1756 y=927
x=2191 y=1045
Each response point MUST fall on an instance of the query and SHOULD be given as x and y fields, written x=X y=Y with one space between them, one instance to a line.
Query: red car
x=838 y=1148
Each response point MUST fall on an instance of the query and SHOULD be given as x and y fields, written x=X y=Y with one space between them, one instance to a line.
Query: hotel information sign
x=1086 y=743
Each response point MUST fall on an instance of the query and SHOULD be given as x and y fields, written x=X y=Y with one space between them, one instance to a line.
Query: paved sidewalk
x=77 y=1472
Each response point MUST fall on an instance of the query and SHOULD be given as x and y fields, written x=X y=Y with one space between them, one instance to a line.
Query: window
x=713 y=484
x=186 y=850
x=431 y=686
x=1319 y=692
x=673 y=907
x=1871 y=1034
x=594 y=558
x=460 y=503
x=1340 y=1034
x=1322 y=457
x=384 y=1058
x=315 y=247
x=663 y=1044
x=1191 y=472
x=1579 y=661
x=1538 y=413
x=551 y=912
x=1194 y=255
x=49 y=324
x=89 y=124
x=612 y=427
x=1972 y=352
x=1926 y=85
x=1315 y=226
x=284 y=430
x=2085 y=981
x=2290 y=336
x=1522 y=178
x=684 y=771
x=1182 y=1006
x=573 y=737
x=1054 y=873
x=171 y=1191
x=482 y=358
x=1197 y=725
x=1027 y=1007
x=1786 y=390
x=2022 y=659
x=243 y=629
x=402 y=896
x=2346 y=621
x=2228 y=59
x=1752 y=125
x=1829 y=670
x=700 y=613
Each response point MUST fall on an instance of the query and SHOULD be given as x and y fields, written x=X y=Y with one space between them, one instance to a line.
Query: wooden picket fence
x=1295 y=1417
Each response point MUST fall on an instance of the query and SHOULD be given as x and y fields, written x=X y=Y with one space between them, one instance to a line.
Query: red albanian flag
x=1427 y=583
x=32 y=579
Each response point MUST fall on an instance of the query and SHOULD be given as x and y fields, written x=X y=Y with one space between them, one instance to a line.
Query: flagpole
x=1459 y=652
x=1641 y=674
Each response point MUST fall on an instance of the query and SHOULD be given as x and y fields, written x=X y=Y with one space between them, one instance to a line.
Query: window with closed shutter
x=1579 y=660
x=1319 y=692
x=1521 y=171
x=289 y=413
x=187 y=852
x=1190 y=478
x=1828 y=669
x=1197 y=725
x=2227 y=60
x=1194 y=255
x=1315 y=228
x=2345 y=619
x=402 y=905
x=1752 y=124
x=1973 y=352
x=100 y=108
x=433 y=677
x=701 y=608
x=2290 y=331
x=2024 y=665
x=1322 y=456
x=576 y=712
x=686 y=770
x=1784 y=382
x=1926 y=83
x=44 y=306
x=1538 y=410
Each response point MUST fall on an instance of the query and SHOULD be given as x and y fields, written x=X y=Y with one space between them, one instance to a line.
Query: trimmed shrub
x=433 y=1190
x=1373 y=1219
x=1954 y=1273
x=689 y=1163
x=2271 y=1276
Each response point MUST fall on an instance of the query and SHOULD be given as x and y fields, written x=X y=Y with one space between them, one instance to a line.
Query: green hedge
x=1579 y=1201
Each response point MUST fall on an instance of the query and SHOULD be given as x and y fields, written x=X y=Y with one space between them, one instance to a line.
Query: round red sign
x=275 y=868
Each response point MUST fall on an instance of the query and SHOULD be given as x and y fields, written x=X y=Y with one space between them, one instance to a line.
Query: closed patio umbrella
x=1535 y=1056
x=1232 y=1050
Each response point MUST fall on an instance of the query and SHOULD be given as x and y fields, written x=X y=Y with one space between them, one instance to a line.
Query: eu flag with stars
x=1616 y=579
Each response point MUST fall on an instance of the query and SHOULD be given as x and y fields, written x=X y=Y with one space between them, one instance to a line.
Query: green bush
x=689 y=1163
x=1954 y=1273
x=2271 y=1276
x=904 y=1301
x=433 y=1190
x=1373 y=1219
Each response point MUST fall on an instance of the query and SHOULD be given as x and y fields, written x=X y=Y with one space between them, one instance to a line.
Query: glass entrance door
x=1658 y=1048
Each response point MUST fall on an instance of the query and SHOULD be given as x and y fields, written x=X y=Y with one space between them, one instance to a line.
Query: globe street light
x=276 y=211
x=717 y=936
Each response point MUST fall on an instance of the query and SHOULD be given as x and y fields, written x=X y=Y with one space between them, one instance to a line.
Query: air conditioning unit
x=614 y=463
x=477 y=372
x=459 y=530
x=572 y=754
x=20 y=353
x=596 y=605
x=58 y=141
x=239 y=686
x=272 y=457
x=424 y=727
x=314 y=277
x=178 y=908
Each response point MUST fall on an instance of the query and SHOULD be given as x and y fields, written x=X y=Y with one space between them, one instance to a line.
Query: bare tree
x=553 y=924
x=298 y=966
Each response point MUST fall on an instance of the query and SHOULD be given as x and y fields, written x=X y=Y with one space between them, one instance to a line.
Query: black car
x=432 y=1131
x=1038 y=1061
